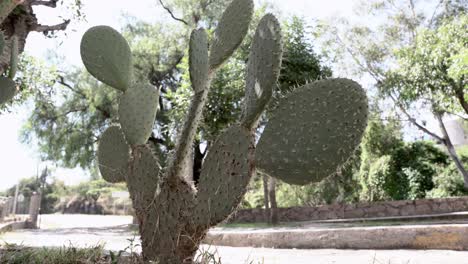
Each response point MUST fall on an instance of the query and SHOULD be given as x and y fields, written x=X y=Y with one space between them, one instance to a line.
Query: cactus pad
x=225 y=175
x=137 y=112
x=198 y=59
x=263 y=68
x=7 y=89
x=143 y=177
x=313 y=131
x=231 y=30
x=113 y=155
x=107 y=56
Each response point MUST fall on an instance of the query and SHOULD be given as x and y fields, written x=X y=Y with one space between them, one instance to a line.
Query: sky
x=21 y=161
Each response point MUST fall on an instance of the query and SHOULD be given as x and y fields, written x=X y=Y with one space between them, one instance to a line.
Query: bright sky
x=21 y=161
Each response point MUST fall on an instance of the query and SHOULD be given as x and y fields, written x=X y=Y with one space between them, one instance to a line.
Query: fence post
x=15 y=201
x=10 y=206
x=2 y=212
x=34 y=207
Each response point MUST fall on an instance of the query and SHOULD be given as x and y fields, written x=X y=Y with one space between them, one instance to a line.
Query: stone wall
x=358 y=210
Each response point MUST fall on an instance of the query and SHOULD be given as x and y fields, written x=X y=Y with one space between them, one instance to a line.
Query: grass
x=17 y=254
x=14 y=254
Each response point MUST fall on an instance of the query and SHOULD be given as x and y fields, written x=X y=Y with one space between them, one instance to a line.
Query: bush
x=449 y=182
x=392 y=169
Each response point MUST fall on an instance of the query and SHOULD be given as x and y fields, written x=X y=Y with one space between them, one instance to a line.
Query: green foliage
x=68 y=119
x=448 y=182
x=434 y=67
x=301 y=63
x=51 y=192
x=394 y=170
x=94 y=189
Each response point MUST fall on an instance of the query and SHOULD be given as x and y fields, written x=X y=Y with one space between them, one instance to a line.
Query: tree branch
x=51 y=3
x=431 y=21
x=47 y=28
x=104 y=112
x=414 y=122
x=172 y=14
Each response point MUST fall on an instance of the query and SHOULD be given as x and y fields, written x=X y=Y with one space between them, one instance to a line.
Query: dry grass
x=17 y=254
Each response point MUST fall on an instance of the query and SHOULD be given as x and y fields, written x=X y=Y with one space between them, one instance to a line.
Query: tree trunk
x=451 y=150
x=461 y=98
x=272 y=196
x=20 y=22
x=266 y=198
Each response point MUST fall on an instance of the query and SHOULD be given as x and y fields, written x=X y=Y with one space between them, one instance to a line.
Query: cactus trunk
x=168 y=234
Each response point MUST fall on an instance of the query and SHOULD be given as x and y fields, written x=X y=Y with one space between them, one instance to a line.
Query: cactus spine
x=173 y=214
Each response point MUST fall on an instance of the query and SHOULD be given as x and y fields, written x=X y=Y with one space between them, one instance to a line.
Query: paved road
x=114 y=233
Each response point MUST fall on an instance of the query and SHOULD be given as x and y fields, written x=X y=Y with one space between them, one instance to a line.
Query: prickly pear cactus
x=311 y=133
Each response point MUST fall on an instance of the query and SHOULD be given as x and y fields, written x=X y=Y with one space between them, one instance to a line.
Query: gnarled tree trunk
x=18 y=19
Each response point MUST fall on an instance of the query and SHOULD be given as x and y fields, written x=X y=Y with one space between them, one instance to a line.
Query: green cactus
x=137 y=112
x=113 y=155
x=106 y=55
x=310 y=134
x=230 y=32
x=313 y=131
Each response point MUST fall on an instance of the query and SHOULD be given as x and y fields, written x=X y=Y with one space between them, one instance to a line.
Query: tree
x=392 y=169
x=432 y=71
x=17 y=20
x=427 y=69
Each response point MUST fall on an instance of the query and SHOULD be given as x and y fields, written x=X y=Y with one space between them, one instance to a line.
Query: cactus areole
x=312 y=132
